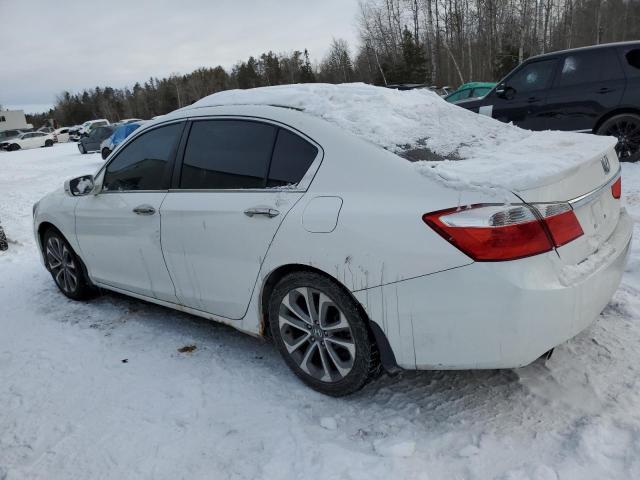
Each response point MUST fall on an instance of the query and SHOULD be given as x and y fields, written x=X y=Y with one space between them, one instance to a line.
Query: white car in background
x=91 y=124
x=61 y=135
x=358 y=227
x=28 y=140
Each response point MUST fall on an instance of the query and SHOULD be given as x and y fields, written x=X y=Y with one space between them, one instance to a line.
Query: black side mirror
x=79 y=186
x=505 y=91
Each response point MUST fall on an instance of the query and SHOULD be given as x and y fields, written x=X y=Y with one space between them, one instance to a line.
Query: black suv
x=591 y=89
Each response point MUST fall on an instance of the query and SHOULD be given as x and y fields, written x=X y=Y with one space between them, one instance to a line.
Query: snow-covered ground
x=99 y=390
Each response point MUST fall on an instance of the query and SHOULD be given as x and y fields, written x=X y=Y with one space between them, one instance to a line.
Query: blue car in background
x=118 y=136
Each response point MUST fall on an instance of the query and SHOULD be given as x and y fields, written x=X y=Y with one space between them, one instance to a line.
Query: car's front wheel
x=13 y=147
x=321 y=334
x=48 y=143
x=65 y=267
x=626 y=128
x=81 y=148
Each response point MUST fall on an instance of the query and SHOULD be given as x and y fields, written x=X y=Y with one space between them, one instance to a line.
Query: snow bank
x=460 y=147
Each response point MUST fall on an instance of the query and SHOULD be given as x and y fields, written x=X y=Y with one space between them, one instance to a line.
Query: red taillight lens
x=561 y=221
x=495 y=233
x=616 y=188
x=492 y=233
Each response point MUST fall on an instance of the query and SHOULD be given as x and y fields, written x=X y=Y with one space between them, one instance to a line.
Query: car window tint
x=579 y=68
x=142 y=164
x=227 y=154
x=632 y=62
x=292 y=157
x=532 y=77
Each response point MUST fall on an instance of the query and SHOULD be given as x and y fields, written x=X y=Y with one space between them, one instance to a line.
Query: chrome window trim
x=593 y=194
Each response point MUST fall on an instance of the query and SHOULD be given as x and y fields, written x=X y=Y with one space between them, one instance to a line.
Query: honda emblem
x=605 y=164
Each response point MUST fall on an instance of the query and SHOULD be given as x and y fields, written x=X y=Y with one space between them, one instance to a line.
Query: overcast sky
x=47 y=46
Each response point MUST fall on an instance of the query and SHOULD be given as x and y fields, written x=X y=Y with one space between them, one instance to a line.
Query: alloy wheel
x=62 y=265
x=627 y=131
x=316 y=334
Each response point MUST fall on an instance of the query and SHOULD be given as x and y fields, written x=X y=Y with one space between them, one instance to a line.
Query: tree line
x=433 y=42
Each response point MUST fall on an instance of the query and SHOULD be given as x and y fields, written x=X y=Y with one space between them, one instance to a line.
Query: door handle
x=144 y=210
x=532 y=99
x=265 y=211
x=605 y=90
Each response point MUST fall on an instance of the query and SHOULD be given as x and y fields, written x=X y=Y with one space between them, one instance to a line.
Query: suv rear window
x=632 y=58
x=588 y=67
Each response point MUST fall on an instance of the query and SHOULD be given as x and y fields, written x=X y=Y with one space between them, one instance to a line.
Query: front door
x=524 y=96
x=118 y=229
x=218 y=224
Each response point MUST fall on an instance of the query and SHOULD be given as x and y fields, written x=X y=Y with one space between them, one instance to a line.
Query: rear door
x=588 y=84
x=525 y=95
x=118 y=229
x=239 y=179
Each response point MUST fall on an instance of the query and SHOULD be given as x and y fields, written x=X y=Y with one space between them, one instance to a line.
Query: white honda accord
x=358 y=227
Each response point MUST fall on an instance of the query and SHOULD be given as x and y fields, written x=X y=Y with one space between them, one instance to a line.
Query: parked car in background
x=28 y=140
x=109 y=144
x=74 y=133
x=90 y=125
x=591 y=89
x=61 y=135
x=92 y=141
x=470 y=90
x=9 y=134
x=271 y=210
x=45 y=130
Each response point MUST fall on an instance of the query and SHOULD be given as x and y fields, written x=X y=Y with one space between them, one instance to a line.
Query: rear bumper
x=496 y=315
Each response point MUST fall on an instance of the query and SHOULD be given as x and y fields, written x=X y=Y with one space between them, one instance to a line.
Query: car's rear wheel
x=105 y=153
x=321 y=334
x=626 y=128
x=65 y=267
x=48 y=143
x=13 y=147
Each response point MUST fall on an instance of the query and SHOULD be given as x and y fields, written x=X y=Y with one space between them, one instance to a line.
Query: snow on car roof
x=448 y=142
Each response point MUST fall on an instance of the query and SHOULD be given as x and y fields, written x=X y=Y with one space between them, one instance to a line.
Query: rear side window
x=227 y=154
x=142 y=164
x=292 y=157
x=587 y=67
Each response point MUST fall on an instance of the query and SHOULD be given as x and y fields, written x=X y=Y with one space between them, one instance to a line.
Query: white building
x=13 y=119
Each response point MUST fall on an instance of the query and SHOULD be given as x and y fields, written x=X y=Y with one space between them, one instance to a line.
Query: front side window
x=142 y=164
x=227 y=154
x=292 y=157
x=532 y=77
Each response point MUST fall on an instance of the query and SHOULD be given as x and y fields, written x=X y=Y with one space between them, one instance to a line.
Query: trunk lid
x=587 y=187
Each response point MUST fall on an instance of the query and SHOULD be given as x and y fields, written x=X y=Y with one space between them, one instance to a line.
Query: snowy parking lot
x=107 y=389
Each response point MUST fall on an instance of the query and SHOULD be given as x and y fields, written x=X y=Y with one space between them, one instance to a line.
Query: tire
x=81 y=148
x=626 y=128
x=105 y=153
x=48 y=143
x=65 y=266
x=13 y=147
x=331 y=351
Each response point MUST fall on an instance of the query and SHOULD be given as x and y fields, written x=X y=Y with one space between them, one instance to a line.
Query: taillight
x=495 y=233
x=616 y=188
x=561 y=222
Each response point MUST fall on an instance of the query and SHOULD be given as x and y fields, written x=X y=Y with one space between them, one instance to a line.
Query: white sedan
x=358 y=227
x=29 y=140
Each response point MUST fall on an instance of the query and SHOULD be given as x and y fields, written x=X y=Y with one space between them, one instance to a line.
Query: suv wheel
x=65 y=267
x=48 y=143
x=13 y=147
x=626 y=128
x=321 y=334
